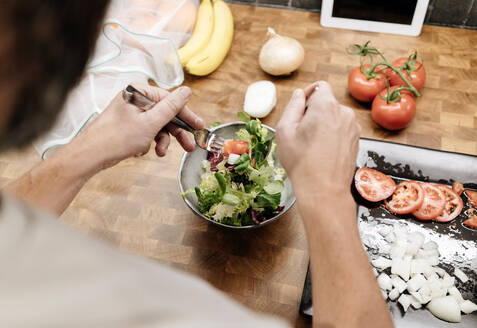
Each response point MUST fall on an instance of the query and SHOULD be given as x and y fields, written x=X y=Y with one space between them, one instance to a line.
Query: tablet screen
x=397 y=12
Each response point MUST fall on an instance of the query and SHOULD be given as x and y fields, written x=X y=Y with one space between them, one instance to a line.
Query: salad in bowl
x=243 y=184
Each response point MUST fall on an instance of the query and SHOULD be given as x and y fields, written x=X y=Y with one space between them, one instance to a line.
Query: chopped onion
x=468 y=307
x=461 y=275
x=454 y=292
x=398 y=283
x=415 y=283
x=430 y=245
x=385 y=230
x=441 y=272
x=416 y=303
x=385 y=294
x=281 y=55
x=394 y=294
x=232 y=158
x=381 y=263
x=405 y=301
x=384 y=281
x=260 y=99
x=448 y=281
x=445 y=308
x=401 y=267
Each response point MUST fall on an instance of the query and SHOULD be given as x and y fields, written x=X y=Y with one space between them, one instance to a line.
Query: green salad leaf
x=248 y=191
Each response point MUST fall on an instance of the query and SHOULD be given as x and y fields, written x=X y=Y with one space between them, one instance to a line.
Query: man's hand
x=317 y=144
x=124 y=130
x=318 y=140
x=121 y=131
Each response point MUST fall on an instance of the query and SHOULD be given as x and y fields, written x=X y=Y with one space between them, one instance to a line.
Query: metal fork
x=203 y=138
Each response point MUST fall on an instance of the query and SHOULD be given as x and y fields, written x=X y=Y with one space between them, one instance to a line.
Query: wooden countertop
x=137 y=207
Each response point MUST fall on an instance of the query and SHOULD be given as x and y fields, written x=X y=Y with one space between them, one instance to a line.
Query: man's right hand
x=318 y=141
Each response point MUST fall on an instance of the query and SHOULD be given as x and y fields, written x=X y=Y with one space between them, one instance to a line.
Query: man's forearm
x=53 y=184
x=345 y=291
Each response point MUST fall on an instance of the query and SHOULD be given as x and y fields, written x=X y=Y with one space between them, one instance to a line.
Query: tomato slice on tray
x=471 y=222
x=373 y=185
x=407 y=198
x=453 y=206
x=472 y=196
x=458 y=187
x=433 y=204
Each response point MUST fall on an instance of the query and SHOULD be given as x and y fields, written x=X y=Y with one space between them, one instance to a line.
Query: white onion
x=232 y=158
x=441 y=272
x=385 y=282
x=445 y=308
x=381 y=263
x=448 y=281
x=260 y=99
x=461 y=275
x=468 y=307
x=281 y=55
x=454 y=292
x=402 y=268
x=385 y=230
x=398 y=283
x=415 y=283
x=405 y=301
x=394 y=294
x=385 y=294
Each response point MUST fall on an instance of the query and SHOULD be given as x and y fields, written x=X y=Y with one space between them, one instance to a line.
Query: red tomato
x=373 y=185
x=472 y=196
x=471 y=222
x=416 y=78
x=433 y=204
x=407 y=198
x=238 y=147
x=363 y=89
x=457 y=187
x=396 y=115
x=453 y=206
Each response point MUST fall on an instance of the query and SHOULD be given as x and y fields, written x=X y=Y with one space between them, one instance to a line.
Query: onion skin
x=281 y=55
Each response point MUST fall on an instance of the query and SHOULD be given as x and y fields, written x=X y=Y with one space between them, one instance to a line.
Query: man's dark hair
x=45 y=48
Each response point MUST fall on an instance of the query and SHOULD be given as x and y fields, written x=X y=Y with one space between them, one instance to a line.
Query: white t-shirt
x=52 y=276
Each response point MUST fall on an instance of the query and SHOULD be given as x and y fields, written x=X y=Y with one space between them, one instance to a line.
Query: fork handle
x=140 y=100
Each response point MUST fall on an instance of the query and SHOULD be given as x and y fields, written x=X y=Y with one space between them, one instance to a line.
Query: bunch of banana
x=210 y=42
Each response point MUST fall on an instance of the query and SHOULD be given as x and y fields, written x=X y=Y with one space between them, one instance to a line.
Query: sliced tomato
x=471 y=222
x=453 y=206
x=407 y=198
x=433 y=204
x=458 y=187
x=472 y=196
x=238 y=147
x=373 y=185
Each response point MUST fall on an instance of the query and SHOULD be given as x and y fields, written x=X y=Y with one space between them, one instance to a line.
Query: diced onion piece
x=468 y=307
x=398 y=283
x=425 y=294
x=385 y=294
x=415 y=283
x=416 y=303
x=433 y=260
x=260 y=99
x=394 y=294
x=420 y=266
x=454 y=292
x=405 y=301
x=384 y=281
x=375 y=272
x=233 y=158
x=447 y=281
x=445 y=308
x=461 y=275
x=424 y=254
x=381 y=263
x=401 y=267
x=397 y=252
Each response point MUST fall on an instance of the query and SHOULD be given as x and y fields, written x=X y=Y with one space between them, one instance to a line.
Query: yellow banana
x=209 y=58
x=203 y=29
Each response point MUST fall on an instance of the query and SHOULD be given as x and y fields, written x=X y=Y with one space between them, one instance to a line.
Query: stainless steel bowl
x=190 y=172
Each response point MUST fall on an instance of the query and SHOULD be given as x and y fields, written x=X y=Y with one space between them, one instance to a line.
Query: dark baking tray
x=458 y=242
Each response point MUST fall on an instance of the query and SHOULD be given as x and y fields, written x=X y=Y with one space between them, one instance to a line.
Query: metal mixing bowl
x=190 y=172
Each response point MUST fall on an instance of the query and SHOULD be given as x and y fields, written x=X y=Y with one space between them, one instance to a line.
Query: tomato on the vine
x=363 y=88
x=412 y=70
x=396 y=113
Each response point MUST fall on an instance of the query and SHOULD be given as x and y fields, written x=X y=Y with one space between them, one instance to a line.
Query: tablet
x=396 y=17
